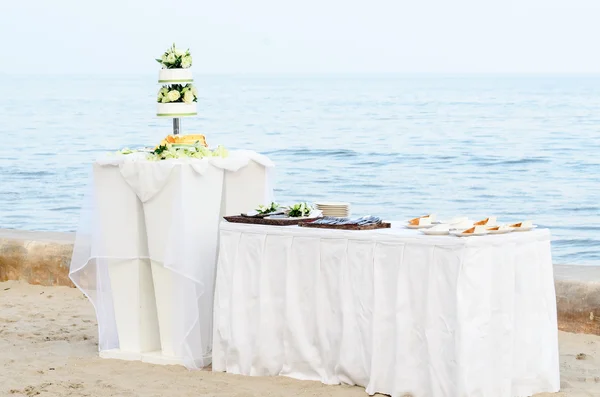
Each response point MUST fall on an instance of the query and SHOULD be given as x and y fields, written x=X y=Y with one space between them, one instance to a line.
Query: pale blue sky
x=309 y=36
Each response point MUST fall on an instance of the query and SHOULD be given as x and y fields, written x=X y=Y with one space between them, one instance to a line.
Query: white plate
x=454 y=221
x=430 y=232
x=459 y=234
x=500 y=231
x=420 y=226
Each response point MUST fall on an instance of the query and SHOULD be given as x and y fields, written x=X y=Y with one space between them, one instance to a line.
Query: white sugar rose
x=180 y=53
x=171 y=58
x=173 y=95
x=188 y=97
x=194 y=91
x=186 y=61
x=165 y=99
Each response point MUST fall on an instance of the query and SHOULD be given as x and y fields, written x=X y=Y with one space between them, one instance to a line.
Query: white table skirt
x=393 y=310
x=151 y=228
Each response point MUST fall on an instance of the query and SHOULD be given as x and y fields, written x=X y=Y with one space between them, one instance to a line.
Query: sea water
x=395 y=146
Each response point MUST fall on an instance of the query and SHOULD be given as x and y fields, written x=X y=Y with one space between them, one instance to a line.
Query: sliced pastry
x=499 y=229
x=525 y=224
x=422 y=220
x=475 y=230
x=190 y=139
x=491 y=221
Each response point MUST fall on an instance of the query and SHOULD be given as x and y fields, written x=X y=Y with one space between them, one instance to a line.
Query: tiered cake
x=177 y=97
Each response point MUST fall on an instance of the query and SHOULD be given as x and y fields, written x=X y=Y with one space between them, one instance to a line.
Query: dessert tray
x=274 y=220
x=276 y=215
x=364 y=223
x=463 y=227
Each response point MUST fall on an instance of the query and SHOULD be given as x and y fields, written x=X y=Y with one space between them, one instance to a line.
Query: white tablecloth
x=394 y=311
x=166 y=213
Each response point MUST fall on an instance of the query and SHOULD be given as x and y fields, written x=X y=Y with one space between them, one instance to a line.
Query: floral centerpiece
x=175 y=58
x=196 y=151
x=267 y=209
x=299 y=210
x=177 y=93
x=179 y=147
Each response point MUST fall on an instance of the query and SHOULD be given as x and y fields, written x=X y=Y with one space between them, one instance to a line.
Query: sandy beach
x=48 y=347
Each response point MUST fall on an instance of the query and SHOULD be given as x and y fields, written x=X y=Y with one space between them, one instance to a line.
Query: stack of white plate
x=341 y=210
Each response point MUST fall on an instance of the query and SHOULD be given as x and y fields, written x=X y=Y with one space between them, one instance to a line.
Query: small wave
x=581 y=228
x=576 y=242
x=71 y=208
x=31 y=173
x=580 y=209
x=487 y=162
x=525 y=161
x=580 y=258
x=341 y=153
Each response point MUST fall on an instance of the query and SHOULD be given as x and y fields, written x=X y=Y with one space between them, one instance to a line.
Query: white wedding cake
x=177 y=96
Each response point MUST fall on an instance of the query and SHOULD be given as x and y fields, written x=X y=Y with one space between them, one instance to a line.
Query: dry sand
x=48 y=348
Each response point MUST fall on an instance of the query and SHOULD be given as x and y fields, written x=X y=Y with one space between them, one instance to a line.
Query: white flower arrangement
x=196 y=151
x=177 y=93
x=299 y=210
x=178 y=151
x=174 y=58
x=267 y=209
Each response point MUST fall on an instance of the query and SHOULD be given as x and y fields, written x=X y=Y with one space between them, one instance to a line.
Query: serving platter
x=267 y=221
x=372 y=226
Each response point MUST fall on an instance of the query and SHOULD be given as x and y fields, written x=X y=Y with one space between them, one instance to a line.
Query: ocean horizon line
x=312 y=74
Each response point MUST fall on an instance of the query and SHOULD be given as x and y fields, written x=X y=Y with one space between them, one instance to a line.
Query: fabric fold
x=146 y=179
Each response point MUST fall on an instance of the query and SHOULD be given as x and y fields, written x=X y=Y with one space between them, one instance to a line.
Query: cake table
x=146 y=249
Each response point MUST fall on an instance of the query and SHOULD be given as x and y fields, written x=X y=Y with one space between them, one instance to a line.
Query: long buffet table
x=392 y=310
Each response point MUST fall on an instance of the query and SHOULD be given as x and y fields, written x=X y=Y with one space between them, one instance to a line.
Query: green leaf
x=159 y=149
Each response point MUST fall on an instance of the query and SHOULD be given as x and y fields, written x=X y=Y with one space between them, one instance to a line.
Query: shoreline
x=43 y=258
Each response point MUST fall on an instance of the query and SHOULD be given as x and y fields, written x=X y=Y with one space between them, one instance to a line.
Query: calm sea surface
x=396 y=146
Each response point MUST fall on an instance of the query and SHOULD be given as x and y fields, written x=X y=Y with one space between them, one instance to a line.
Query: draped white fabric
x=394 y=311
x=147 y=216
